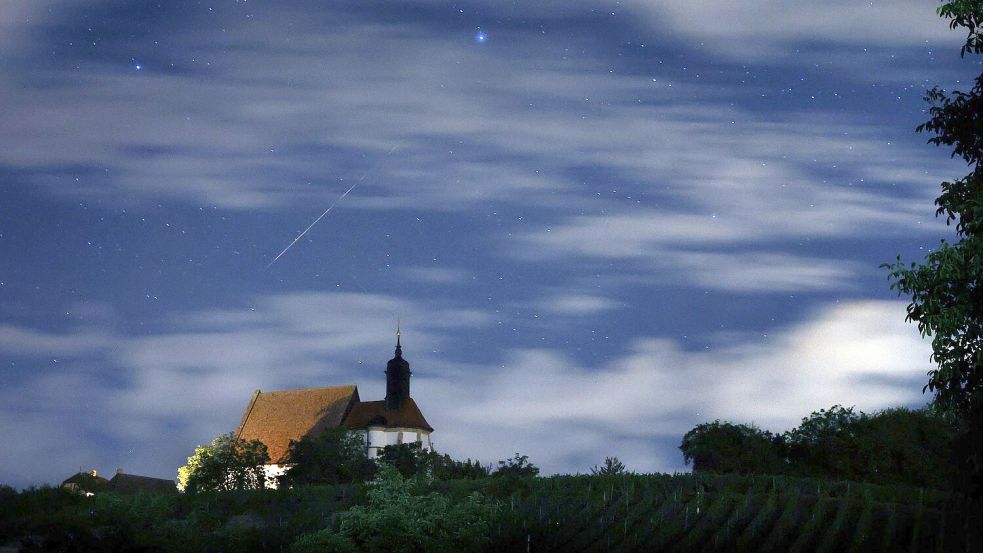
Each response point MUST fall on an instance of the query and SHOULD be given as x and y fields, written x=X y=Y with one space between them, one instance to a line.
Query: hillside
x=562 y=513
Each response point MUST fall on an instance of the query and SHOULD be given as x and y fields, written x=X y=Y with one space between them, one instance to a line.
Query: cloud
x=576 y=304
x=161 y=394
x=435 y=275
x=765 y=29
x=174 y=391
x=21 y=341
x=511 y=124
x=768 y=273
x=544 y=404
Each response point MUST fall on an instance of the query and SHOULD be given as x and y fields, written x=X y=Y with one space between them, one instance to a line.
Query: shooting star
x=326 y=211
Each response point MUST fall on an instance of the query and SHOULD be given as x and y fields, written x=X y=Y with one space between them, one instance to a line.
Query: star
x=138 y=67
x=480 y=37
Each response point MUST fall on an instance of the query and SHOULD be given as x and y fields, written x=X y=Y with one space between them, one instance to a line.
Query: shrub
x=400 y=517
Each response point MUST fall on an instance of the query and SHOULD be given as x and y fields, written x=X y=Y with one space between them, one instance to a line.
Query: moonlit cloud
x=859 y=353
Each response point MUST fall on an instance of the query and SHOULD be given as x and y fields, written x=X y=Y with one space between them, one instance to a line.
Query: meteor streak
x=326 y=211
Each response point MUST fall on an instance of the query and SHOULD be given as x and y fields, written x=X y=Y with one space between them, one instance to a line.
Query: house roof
x=85 y=480
x=374 y=413
x=132 y=483
x=275 y=418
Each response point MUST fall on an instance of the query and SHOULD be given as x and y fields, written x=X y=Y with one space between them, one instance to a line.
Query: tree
x=826 y=443
x=228 y=463
x=443 y=467
x=401 y=517
x=725 y=447
x=517 y=467
x=946 y=289
x=409 y=459
x=334 y=456
x=612 y=466
x=906 y=446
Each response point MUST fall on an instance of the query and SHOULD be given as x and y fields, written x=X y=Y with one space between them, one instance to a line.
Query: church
x=276 y=418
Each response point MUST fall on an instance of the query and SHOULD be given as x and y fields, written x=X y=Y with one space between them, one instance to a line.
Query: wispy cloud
x=436 y=275
x=544 y=404
x=765 y=29
x=471 y=125
x=191 y=386
x=576 y=304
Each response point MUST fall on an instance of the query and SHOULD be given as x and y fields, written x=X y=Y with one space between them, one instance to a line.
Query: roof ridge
x=309 y=388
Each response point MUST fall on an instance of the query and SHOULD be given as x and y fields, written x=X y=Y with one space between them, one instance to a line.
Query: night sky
x=598 y=223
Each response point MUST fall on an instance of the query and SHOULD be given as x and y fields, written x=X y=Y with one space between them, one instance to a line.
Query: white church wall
x=381 y=437
x=272 y=472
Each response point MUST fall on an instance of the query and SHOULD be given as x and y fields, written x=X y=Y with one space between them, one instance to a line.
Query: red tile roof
x=275 y=418
x=374 y=413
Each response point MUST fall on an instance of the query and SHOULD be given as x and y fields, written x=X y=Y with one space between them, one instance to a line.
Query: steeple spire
x=397 y=378
x=399 y=348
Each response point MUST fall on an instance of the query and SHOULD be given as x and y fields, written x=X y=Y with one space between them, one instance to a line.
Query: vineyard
x=657 y=512
x=726 y=513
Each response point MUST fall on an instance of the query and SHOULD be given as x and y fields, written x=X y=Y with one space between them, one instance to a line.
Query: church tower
x=397 y=379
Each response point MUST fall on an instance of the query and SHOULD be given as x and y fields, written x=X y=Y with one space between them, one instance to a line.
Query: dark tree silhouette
x=725 y=447
x=946 y=288
x=333 y=456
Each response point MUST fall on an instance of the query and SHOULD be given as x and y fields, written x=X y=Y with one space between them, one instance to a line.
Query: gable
x=275 y=418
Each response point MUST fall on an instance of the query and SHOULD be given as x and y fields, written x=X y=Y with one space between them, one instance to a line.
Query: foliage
x=946 y=289
x=7 y=493
x=443 y=467
x=826 y=443
x=703 y=512
x=409 y=459
x=324 y=541
x=967 y=14
x=412 y=460
x=334 y=456
x=894 y=446
x=725 y=447
x=909 y=446
x=228 y=463
x=612 y=466
x=400 y=517
x=633 y=512
x=516 y=467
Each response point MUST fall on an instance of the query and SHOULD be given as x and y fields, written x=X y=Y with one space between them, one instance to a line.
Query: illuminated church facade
x=275 y=418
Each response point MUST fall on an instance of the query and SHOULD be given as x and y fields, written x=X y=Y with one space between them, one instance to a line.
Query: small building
x=276 y=418
x=85 y=483
x=123 y=483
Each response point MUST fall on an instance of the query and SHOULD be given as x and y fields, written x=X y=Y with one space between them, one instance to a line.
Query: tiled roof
x=132 y=483
x=275 y=418
x=374 y=413
x=85 y=478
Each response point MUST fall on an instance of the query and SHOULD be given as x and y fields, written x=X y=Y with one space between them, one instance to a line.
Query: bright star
x=480 y=36
x=138 y=67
